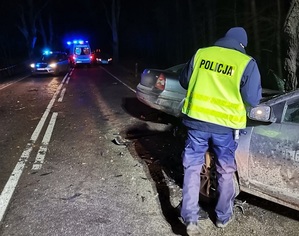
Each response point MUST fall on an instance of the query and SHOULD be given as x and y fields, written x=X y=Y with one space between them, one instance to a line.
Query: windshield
x=50 y=57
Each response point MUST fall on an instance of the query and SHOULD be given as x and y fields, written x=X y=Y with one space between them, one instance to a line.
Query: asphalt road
x=92 y=160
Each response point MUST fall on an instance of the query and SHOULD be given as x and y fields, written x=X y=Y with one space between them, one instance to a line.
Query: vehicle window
x=82 y=51
x=85 y=51
x=49 y=57
x=78 y=51
x=292 y=112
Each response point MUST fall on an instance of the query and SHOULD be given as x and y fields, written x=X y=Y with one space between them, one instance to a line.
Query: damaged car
x=268 y=148
x=268 y=151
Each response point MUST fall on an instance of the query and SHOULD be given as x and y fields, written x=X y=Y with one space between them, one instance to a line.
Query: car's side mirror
x=260 y=113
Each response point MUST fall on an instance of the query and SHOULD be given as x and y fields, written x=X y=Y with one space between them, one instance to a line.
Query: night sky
x=160 y=32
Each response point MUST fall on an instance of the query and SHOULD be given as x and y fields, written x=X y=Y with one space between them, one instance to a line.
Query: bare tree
x=113 y=21
x=278 y=39
x=255 y=30
x=47 y=37
x=191 y=9
x=291 y=29
x=29 y=13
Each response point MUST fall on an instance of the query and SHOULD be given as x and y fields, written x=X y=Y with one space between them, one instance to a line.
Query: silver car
x=51 y=63
x=268 y=154
x=268 y=149
x=161 y=90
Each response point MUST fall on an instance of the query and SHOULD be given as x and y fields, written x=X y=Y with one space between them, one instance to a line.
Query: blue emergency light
x=77 y=41
x=47 y=52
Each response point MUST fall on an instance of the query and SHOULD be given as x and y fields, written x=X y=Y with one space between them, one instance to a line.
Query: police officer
x=221 y=80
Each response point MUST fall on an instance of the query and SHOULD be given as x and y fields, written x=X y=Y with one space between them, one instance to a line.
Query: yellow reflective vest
x=213 y=93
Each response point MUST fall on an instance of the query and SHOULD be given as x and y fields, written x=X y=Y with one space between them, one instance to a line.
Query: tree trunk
x=291 y=29
x=43 y=32
x=191 y=9
x=278 y=39
x=113 y=20
x=256 y=40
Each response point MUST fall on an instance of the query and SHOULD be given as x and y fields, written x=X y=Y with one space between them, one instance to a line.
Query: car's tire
x=208 y=180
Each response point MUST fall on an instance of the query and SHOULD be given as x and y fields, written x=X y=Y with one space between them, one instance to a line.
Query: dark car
x=51 y=63
x=102 y=58
x=268 y=149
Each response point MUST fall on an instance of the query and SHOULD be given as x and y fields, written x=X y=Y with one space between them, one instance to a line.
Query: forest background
x=156 y=33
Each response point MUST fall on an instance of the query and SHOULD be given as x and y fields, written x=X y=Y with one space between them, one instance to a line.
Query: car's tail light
x=160 y=83
x=74 y=57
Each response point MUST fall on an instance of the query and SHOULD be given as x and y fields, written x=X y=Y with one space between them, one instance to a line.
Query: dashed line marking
x=13 y=180
x=62 y=95
x=40 y=157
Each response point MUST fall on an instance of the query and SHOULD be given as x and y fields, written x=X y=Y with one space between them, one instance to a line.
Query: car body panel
x=171 y=99
x=268 y=155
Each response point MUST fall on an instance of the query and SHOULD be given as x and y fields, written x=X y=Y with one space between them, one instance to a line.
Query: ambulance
x=79 y=52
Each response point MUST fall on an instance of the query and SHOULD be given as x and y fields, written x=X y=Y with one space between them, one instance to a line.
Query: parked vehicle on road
x=268 y=149
x=161 y=90
x=102 y=58
x=79 y=52
x=51 y=63
x=268 y=153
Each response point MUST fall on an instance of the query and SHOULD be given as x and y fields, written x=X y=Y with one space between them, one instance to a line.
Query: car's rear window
x=82 y=50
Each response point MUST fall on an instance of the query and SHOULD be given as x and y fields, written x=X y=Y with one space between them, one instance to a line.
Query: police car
x=51 y=62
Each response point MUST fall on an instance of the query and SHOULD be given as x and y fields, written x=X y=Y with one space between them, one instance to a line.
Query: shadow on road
x=160 y=151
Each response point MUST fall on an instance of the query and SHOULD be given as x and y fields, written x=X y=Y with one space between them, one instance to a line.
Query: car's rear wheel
x=208 y=177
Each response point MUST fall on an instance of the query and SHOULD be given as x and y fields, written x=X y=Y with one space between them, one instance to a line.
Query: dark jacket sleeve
x=251 y=89
x=185 y=75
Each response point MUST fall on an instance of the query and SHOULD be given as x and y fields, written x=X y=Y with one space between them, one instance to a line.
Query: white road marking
x=13 y=180
x=119 y=80
x=62 y=95
x=13 y=82
x=68 y=79
x=39 y=160
x=64 y=78
x=45 y=115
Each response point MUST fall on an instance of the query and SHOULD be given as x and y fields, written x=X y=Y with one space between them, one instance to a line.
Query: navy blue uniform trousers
x=223 y=147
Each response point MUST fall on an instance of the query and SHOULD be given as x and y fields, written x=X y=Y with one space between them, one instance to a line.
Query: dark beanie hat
x=239 y=34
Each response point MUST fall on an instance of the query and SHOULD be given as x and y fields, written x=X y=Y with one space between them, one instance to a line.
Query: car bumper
x=82 y=61
x=168 y=104
x=43 y=71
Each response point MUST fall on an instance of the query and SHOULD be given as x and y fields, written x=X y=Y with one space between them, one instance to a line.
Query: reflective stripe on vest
x=214 y=89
